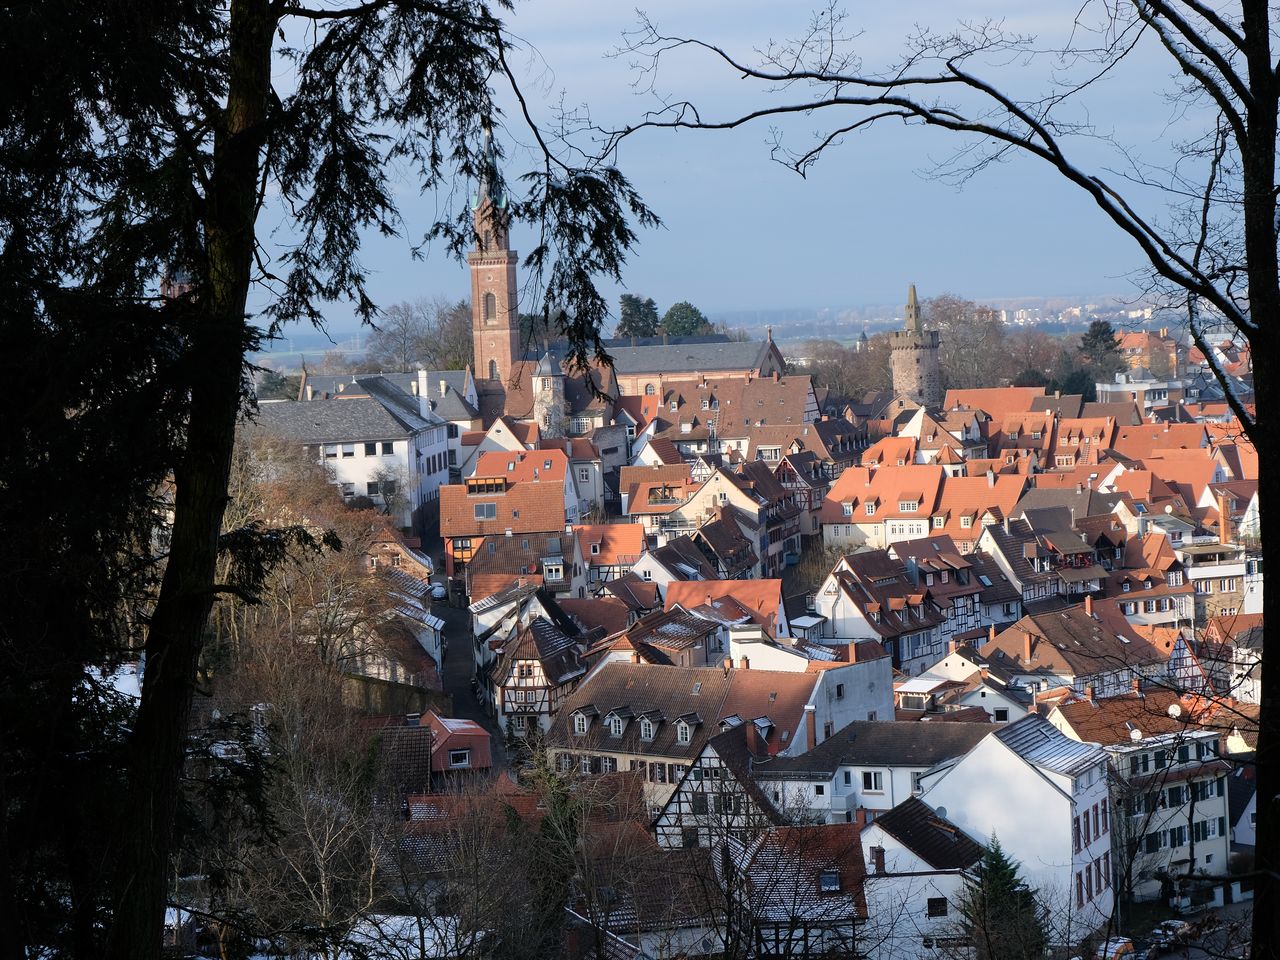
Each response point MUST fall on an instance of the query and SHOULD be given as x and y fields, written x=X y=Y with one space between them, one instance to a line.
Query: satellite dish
x=1135 y=734
x=941 y=811
x=1168 y=508
x=1175 y=711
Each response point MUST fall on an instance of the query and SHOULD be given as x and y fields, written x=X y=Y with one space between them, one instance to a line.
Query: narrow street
x=456 y=673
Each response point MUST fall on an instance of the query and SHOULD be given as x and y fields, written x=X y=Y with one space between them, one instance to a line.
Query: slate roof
x=1040 y=743
x=664 y=693
x=334 y=421
x=543 y=641
x=931 y=837
x=671 y=629
x=682 y=558
x=1070 y=642
x=688 y=357
x=881 y=587
x=881 y=743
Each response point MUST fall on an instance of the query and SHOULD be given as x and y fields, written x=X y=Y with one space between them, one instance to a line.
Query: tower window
x=490 y=307
x=493 y=369
x=648 y=390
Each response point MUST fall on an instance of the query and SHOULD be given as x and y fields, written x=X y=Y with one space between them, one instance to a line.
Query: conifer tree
x=1000 y=915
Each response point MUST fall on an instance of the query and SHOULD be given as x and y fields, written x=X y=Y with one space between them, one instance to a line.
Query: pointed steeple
x=913 y=311
x=490 y=167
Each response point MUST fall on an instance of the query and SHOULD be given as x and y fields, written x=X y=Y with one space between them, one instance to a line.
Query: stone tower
x=495 y=319
x=549 y=409
x=915 y=358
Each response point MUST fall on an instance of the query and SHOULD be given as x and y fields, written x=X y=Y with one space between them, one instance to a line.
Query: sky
x=741 y=232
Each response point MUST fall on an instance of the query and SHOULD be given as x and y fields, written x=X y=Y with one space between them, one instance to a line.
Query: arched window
x=648 y=390
x=490 y=307
x=487 y=242
x=493 y=368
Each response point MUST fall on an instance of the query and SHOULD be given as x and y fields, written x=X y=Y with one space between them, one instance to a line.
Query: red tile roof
x=760 y=598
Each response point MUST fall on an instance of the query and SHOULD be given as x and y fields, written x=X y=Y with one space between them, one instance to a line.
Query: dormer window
x=939 y=522
x=646 y=729
x=928 y=579
x=871 y=509
x=829 y=881
x=1124 y=587
x=966 y=522
x=1146 y=585
x=595 y=549
x=615 y=726
x=908 y=506
x=945 y=576
x=684 y=732
x=848 y=509
x=580 y=724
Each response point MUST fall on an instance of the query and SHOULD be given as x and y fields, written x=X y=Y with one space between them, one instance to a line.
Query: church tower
x=495 y=318
x=914 y=358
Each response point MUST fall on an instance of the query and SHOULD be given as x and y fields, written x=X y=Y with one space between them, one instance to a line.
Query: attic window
x=579 y=724
x=939 y=522
x=848 y=509
x=966 y=522
x=595 y=549
x=871 y=509
x=646 y=729
x=1124 y=587
x=908 y=506
x=615 y=726
x=684 y=733
x=829 y=881
x=546 y=464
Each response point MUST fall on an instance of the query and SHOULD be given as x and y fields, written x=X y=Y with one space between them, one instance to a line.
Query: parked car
x=1168 y=935
x=1116 y=948
x=439 y=591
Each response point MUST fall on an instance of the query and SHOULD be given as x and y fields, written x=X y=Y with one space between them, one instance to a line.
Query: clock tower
x=495 y=318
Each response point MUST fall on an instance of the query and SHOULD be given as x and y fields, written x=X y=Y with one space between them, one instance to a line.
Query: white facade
x=913 y=909
x=417 y=466
x=1035 y=811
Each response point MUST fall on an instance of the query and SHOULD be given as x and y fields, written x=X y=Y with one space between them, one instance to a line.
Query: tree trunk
x=217 y=345
x=1258 y=155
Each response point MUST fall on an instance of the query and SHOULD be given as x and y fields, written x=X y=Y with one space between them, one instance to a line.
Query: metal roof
x=1039 y=742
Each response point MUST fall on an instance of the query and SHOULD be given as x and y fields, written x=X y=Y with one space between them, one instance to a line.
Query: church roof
x=690 y=357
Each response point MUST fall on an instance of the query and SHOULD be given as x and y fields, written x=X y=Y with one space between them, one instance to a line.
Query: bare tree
x=1210 y=242
x=972 y=353
x=431 y=333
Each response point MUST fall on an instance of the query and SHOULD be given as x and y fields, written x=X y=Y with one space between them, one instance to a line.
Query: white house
x=387 y=446
x=1045 y=796
x=917 y=864
x=867 y=765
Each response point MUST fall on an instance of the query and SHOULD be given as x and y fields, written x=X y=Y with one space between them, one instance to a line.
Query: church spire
x=487 y=170
x=913 y=311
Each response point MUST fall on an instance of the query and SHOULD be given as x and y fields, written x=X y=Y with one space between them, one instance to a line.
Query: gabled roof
x=1037 y=741
x=930 y=836
x=880 y=743
x=760 y=599
x=997 y=401
x=638 y=594
x=523 y=466
x=688 y=357
x=336 y=421
x=1072 y=643
x=1118 y=721
x=609 y=544
x=543 y=641
x=784 y=869
x=684 y=560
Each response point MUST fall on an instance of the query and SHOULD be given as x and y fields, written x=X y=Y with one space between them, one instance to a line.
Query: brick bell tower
x=495 y=319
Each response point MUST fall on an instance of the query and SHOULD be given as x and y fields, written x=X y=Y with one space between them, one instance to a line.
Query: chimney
x=811 y=726
x=444 y=387
x=1028 y=641
x=1224 y=520
x=1136 y=683
x=728 y=665
x=991 y=478
x=1088 y=604
x=744 y=663
x=752 y=734
x=664 y=338
x=1088 y=692
x=991 y=633
x=853 y=651
x=877 y=859
x=952 y=645
x=635 y=656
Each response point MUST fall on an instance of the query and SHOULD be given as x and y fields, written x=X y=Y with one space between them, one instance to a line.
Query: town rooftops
x=336 y=421
x=931 y=837
x=1040 y=743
